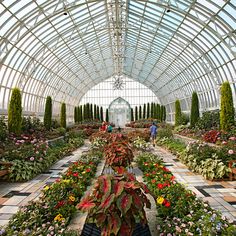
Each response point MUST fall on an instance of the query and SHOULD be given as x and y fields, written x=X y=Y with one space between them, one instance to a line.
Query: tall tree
x=226 y=107
x=155 y=111
x=91 y=111
x=178 y=113
x=136 y=113
x=47 y=119
x=164 y=113
x=95 y=111
x=78 y=114
x=87 y=111
x=75 y=115
x=15 y=112
x=132 y=114
x=194 y=116
x=84 y=112
x=148 y=110
x=152 y=110
x=107 y=115
x=158 y=112
x=101 y=114
x=63 y=115
x=161 y=113
x=140 y=112
x=144 y=111
x=98 y=116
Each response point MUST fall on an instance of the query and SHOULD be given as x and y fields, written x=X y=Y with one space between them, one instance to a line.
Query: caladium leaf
x=125 y=229
x=132 y=185
x=118 y=188
x=100 y=218
x=86 y=204
x=138 y=203
x=124 y=202
x=115 y=222
x=106 y=202
x=105 y=184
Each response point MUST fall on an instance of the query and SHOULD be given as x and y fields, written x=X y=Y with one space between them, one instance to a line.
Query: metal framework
x=63 y=48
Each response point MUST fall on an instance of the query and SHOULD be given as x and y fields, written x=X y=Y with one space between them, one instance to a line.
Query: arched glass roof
x=63 y=48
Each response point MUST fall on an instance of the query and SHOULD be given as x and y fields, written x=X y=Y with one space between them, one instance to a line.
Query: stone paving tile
x=3 y=222
x=2 y=200
x=14 y=201
x=230 y=199
x=9 y=209
x=5 y=216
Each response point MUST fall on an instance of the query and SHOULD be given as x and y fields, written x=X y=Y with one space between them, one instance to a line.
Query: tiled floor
x=221 y=195
x=13 y=195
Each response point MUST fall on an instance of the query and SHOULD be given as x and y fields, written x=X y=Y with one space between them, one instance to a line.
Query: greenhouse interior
x=118 y=117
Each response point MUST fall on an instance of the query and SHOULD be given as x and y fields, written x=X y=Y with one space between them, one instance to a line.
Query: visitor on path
x=153 y=132
x=103 y=127
x=109 y=128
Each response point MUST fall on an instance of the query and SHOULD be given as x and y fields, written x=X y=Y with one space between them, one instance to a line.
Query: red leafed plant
x=211 y=136
x=118 y=154
x=116 y=203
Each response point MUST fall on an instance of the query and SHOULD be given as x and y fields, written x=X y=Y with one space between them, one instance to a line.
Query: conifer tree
x=47 y=120
x=107 y=115
x=144 y=111
x=132 y=114
x=101 y=114
x=136 y=113
x=148 y=110
x=140 y=112
x=194 y=115
x=63 y=115
x=178 y=113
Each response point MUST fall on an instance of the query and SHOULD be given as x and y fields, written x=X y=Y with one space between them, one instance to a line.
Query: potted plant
x=118 y=154
x=116 y=203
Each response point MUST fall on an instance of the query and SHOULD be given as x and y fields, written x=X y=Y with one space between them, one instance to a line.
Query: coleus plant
x=117 y=203
x=118 y=154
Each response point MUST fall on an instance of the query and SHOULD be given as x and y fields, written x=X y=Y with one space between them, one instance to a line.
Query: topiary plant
x=63 y=115
x=136 y=113
x=47 y=120
x=226 y=107
x=178 y=113
x=194 y=116
x=15 y=112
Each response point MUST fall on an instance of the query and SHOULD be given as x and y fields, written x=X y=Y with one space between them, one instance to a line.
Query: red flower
x=167 y=204
x=160 y=186
x=172 y=178
x=76 y=174
x=153 y=181
x=88 y=170
x=60 y=204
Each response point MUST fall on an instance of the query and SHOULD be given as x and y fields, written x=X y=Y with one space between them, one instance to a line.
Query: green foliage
x=75 y=115
x=132 y=114
x=107 y=116
x=178 y=113
x=226 y=107
x=140 y=112
x=101 y=114
x=148 y=110
x=164 y=133
x=98 y=115
x=30 y=125
x=152 y=110
x=63 y=115
x=84 y=112
x=91 y=111
x=3 y=129
x=55 y=123
x=144 y=111
x=184 y=119
x=209 y=120
x=15 y=112
x=194 y=110
x=136 y=113
x=95 y=111
x=47 y=120
x=164 y=114
x=158 y=112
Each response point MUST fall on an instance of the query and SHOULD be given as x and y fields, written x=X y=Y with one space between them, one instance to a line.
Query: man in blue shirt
x=153 y=131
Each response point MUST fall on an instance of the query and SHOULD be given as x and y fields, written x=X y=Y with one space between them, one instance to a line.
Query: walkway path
x=14 y=195
x=221 y=195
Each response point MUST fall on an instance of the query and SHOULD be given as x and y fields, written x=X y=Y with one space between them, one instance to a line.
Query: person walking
x=153 y=132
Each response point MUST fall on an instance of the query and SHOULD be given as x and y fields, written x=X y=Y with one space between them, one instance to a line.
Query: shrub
x=194 y=110
x=184 y=119
x=63 y=115
x=15 y=112
x=226 y=107
x=3 y=130
x=47 y=120
x=55 y=124
x=211 y=136
x=178 y=113
x=164 y=133
x=209 y=120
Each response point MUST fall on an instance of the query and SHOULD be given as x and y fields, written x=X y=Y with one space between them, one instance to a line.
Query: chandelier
x=118 y=83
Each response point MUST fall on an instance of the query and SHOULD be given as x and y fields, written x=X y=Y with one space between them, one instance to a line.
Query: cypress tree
x=148 y=110
x=144 y=111
x=178 y=113
x=194 y=115
x=47 y=119
x=158 y=112
x=101 y=114
x=87 y=111
x=132 y=114
x=95 y=111
x=84 y=112
x=226 y=107
x=140 y=112
x=15 y=112
x=98 y=116
x=164 y=113
x=161 y=113
x=75 y=115
x=81 y=112
x=78 y=114
x=155 y=111
x=136 y=113
x=91 y=111
x=152 y=110
x=107 y=116
x=63 y=115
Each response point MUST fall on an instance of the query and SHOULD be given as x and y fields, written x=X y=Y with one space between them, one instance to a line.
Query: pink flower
x=224 y=142
x=32 y=158
x=232 y=138
x=231 y=152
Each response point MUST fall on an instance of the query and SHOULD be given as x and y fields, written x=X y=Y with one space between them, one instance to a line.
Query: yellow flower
x=66 y=181
x=58 y=217
x=46 y=187
x=72 y=198
x=160 y=200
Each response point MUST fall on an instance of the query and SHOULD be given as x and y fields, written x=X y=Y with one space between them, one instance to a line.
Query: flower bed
x=51 y=214
x=179 y=211
x=30 y=156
